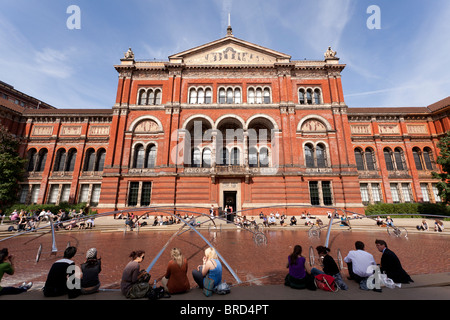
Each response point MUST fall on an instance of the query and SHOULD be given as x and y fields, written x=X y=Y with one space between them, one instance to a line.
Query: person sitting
x=7 y=267
x=390 y=264
x=175 y=280
x=211 y=267
x=293 y=221
x=389 y=221
x=90 y=282
x=423 y=226
x=379 y=221
x=329 y=267
x=272 y=221
x=130 y=283
x=438 y=225
x=297 y=277
x=56 y=283
x=358 y=262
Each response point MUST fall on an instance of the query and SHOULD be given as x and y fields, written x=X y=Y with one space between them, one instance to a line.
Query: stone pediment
x=230 y=51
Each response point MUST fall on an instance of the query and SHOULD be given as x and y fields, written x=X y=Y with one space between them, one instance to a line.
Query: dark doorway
x=229 y=200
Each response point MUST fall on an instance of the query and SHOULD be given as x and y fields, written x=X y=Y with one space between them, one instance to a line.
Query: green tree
x=444 y=160
x=11 y=167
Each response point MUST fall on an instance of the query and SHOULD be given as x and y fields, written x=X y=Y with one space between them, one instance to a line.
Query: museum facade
x=229 y=123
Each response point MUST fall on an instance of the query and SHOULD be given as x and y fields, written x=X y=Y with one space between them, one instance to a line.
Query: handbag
x=223 y=288
x=326 y=283
x=208 y=286
x=138 y=290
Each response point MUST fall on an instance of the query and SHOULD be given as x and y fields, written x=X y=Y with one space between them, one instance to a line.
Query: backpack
x=326 y=282
x=155 y=293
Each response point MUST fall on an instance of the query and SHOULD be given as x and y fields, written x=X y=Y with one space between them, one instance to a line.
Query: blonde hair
x=177 y=256
x=210 y=253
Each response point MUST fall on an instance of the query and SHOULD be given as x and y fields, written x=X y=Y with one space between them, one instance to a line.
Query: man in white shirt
x=358 y=262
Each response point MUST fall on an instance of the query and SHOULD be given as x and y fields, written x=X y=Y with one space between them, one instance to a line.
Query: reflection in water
x=254 y=265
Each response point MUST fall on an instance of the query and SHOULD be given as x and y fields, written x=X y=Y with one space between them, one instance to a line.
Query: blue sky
x=405 y=63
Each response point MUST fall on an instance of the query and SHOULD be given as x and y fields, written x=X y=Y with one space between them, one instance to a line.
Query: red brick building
x=230 y=122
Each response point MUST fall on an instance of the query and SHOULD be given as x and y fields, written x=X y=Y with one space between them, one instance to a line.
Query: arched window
x=235 y=160
x=193 y=96
x=230 y=96
x=309 y=96
x=416 y=155
x=208 y=96
x=428 y=158
x=222 y=96
x=317 y=96
x=196 y=157
x=101 y=155
x=258 y=95
x=89 y=160
x=267 y=96
x=60 y=160
x=201 y=96
x=359 y=159
x=237 y=95
x=264 y=157
x=41 y=160
x=71 y=159
x=157 y=97
x=309 y=156
x=320 y=155
x=252 y=157
x=369 y=157
x=398 y=155
x=388 y=159
x=224 y=157
x=139 y=157
x=142 y=97
x=301 y=96
x=32 y=157
x=206 y=158
x=251 y=96
x=150 y=156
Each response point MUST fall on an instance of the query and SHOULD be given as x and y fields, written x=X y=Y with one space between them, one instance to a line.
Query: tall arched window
x=60 y=160
x=150 y=156
x=206 y=158
x=89 y=161
x=142 y=97
x=264 y=157
x=309 y=156
x=139 y=157
x=267 y=96
x=208 y=96
x=428 y=158
x=416 y=155
x=301 y=96
x=309 y=99
x=398 y=155
x=369 y=157
x=235 y=157
x=101 y=155
x=32 y=158
x=196 y=157
x=359 y=159
x=252 y=157
x=388 y=159
x=317 y=96
x=42 y=159
x=71 y=159
x=320 y=155
x=222 y=96
x=193 y=96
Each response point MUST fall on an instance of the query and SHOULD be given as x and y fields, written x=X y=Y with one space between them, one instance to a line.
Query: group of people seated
x=68 y=220
x=361 y=268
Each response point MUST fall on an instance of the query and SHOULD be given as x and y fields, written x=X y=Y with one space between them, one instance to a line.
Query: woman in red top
x=175 y=279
